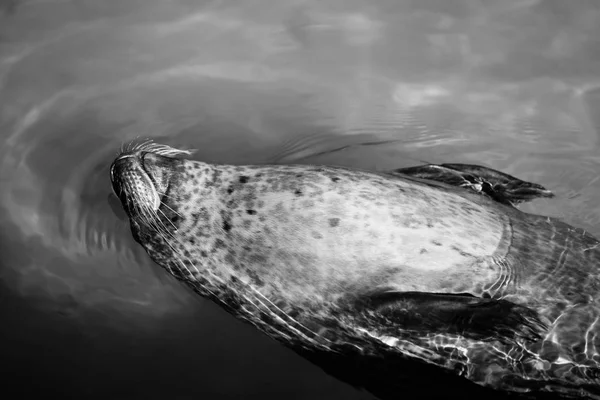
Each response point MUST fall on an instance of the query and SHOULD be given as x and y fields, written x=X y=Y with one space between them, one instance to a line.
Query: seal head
x=142 y=176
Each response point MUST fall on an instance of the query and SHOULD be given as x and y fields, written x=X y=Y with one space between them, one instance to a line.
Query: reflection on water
x=513 y=85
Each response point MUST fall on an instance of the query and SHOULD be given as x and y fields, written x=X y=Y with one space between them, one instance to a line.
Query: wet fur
x=294 y=249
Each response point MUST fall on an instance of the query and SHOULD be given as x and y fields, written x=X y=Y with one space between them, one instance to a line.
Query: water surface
x=512 y=84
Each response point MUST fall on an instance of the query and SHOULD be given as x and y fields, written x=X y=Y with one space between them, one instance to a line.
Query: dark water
x=514 y=85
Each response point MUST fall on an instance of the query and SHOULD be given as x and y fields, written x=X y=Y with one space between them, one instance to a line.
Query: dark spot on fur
x=203 y=253
x=333 y=222
x=423 y=251
x=230 y=190
x=244 y=179
x=202 y=232
x=267 y=319
x=251 y=212
x=216 y=175
x=298 y=192
x=254 y=276
x=298 y=175
x=220 y=244
x=229 y=258
x=226 y=220
x=192 y=240
x=308 y=203
x=460 y=251
x=335 y=179
x=257 y=259
x=436 y=243
x=561 y=306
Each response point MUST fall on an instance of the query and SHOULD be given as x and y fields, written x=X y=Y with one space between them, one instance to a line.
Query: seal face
x=346 y=264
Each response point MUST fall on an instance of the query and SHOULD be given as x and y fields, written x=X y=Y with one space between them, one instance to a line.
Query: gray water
x=510 y=84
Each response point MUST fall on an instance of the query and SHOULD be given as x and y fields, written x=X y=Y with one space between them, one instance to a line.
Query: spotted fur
x=291 y=249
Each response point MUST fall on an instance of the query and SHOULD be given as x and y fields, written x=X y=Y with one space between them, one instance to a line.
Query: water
x=513 y=85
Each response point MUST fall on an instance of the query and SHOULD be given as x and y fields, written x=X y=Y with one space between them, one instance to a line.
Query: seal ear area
x=470 y=316
x=501 y=187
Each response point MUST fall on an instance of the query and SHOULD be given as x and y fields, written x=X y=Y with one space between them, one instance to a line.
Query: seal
x=432 y=265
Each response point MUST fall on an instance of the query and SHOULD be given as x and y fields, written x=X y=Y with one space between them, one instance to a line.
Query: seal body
x=374 y=267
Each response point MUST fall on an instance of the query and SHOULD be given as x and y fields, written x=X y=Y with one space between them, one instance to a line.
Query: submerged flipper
x=473 y=317
x=501 y=187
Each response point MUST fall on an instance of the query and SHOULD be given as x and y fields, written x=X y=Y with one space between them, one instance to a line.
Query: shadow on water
x=376 y=85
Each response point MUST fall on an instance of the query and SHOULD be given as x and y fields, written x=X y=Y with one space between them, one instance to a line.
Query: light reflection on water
x=374 y=85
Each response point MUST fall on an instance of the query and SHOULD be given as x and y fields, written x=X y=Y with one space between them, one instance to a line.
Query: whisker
x=175 y=251
x=257 y=299
x=138 y=145
x=178 y=257
x=162 y=231
x=150 y=146
x=154 y=221
x=166 y=195
x=171 y=222
x=175 y=212
x=185 y=269
x=284 y=313
x=162 y=235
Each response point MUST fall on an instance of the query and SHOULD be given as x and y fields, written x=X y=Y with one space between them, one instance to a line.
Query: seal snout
x=132 y=184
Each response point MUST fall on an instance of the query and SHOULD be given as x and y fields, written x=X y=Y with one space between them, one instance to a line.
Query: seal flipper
x=473 y=317
x=501 y=187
